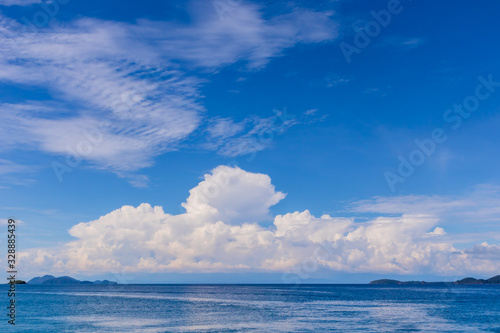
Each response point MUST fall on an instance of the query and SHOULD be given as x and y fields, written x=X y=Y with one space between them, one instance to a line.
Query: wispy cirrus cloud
x=135 y=83
x=10 y=172
x=9 y=167
x=249 y=136
x=479 y=206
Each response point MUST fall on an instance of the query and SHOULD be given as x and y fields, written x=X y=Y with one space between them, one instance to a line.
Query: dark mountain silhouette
x=62 y=280
x=385 y=281
x=495 y=279
x=468 y=280
x=40 y=280
x=471 y=280
x=66 y=280
x=106 y=282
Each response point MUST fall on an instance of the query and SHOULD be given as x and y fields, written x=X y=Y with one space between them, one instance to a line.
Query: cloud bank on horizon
x=221 y=231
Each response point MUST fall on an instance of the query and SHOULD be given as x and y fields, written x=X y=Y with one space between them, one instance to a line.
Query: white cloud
x=232 y=195
x=129 y=80
x=479 y=206
x=243 y=34
x=409 y=204
x=437 y=232
x=255 y=134
x=220 y=231
x=485 y=251
x=221 y=128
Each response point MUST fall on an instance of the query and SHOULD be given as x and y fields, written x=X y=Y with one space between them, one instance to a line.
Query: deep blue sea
x=255 y=308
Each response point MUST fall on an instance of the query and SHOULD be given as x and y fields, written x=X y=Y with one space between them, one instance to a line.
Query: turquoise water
x=255 y=308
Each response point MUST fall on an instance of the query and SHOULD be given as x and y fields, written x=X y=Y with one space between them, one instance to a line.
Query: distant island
x=469 y=280
x=18 y=282
x=66 y=280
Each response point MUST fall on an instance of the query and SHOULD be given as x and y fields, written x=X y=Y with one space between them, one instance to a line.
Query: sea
x=254 y=308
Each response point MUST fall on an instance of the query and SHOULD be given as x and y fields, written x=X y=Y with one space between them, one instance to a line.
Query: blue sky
x=106 y=106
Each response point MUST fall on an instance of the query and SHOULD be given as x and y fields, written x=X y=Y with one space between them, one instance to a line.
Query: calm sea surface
x=254 y=308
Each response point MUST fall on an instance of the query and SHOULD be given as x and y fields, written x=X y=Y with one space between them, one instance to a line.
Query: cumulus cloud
x=485 y=251
x=232 y=195
x=137 y=84
x=221 y=231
